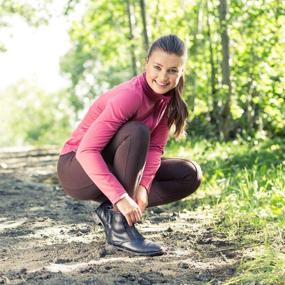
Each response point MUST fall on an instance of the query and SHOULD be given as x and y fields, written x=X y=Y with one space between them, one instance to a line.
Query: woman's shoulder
x=130 y=89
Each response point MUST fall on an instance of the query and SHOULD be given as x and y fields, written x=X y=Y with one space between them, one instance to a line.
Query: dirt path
x=49 y=238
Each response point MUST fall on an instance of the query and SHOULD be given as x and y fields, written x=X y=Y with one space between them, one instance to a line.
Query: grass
x=263 y=267
x=243 y=183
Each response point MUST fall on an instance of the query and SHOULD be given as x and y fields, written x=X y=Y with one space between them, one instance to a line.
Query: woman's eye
x=170 y=70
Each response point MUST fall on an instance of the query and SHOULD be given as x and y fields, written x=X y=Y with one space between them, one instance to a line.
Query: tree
x=29 y=11
x=234 y=82
x=226 y=80
x=131 y=37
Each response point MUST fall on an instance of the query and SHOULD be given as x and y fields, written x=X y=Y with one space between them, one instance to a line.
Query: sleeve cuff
x=120 y=197
x=145 y=186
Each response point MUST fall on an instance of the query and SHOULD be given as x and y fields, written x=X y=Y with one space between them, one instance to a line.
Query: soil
x=47 y=237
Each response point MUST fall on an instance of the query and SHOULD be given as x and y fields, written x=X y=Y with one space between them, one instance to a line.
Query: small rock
x=72 y=231
x=61 y=260
x=121 y=280
x=183 y=265
x=23 y=271
x=130 y=277
x=84 y=270
x=231 y=271
x=203 y=276
x=41 y=219
x=157 y=210
x=143 y=281
x=103 y=253
x=85 y=230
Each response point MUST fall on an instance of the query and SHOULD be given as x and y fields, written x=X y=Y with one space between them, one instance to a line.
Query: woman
x=114 y=155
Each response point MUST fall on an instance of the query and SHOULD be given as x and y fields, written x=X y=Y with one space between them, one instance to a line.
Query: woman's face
x=163 y=71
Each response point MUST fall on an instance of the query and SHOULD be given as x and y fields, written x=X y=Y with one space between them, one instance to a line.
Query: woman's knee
x=138 y=130
x=194 y=174
x=139 y=127
x=199 y=174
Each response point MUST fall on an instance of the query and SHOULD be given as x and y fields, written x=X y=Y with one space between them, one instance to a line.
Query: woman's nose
x=163 y=77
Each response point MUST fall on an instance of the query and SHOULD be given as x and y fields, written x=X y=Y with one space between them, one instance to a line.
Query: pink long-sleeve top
x=130 y=100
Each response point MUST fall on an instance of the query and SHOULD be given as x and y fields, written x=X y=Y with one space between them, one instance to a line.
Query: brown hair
x=178 y=109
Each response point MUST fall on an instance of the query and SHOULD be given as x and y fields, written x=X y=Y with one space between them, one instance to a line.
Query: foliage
x=31 y=116
x=34 y=13
x=100 y=58
x=31 y=11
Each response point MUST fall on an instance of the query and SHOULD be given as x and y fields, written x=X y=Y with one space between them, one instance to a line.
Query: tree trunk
x=214 y=114
x=131 y=38
x=193 y=77
x=155 y=19
x=145 y=34
x=226 y=81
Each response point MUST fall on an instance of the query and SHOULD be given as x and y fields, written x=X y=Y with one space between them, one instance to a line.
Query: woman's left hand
x=141 y=197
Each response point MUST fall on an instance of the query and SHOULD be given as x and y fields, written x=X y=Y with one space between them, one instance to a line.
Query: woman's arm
x=117 y=111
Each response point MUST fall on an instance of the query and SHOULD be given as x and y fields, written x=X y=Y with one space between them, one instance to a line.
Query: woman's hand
x=130 y=209
x=141 y=197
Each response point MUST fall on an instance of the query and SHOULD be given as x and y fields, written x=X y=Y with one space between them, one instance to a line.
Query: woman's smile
x=160 y=84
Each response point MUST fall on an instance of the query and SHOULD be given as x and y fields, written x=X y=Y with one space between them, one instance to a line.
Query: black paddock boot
x=103 y=206
x=121 y=236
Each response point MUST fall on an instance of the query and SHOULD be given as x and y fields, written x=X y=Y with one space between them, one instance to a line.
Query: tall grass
x=243 y=183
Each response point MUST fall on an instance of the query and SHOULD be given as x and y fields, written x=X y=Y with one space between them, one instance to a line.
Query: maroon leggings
x=175 y=179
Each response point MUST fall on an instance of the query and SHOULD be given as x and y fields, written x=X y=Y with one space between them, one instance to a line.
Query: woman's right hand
x=130 y=209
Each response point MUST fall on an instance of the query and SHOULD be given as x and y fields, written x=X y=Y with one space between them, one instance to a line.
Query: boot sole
x=112 y=247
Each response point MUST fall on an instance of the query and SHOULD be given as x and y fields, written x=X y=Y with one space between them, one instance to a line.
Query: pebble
x=62 y=260
x=169 y=230
x=156 y=210
x=103 y=253
x=23 y=271
x=203 y=276
x=184 y=265
x=85 y=230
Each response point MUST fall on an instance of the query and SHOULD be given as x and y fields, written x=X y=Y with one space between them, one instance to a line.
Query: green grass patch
x=243 y=183
x=264 y=266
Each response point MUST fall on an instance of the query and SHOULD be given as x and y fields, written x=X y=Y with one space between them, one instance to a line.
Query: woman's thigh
x=74 y=180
